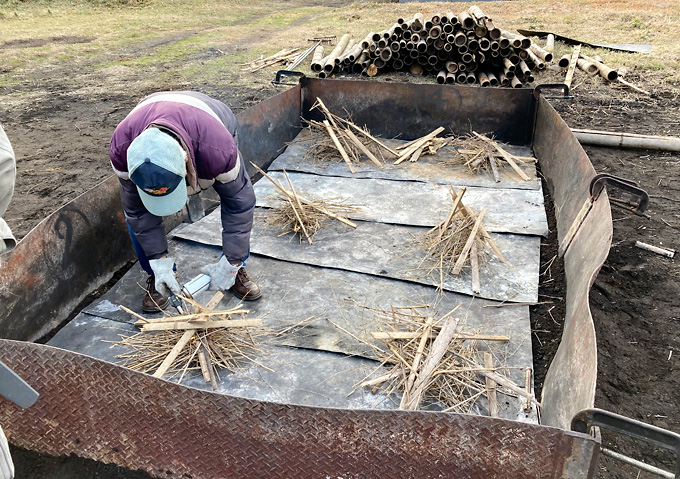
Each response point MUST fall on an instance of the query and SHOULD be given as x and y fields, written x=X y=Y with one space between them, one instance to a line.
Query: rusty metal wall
x=69 y=254
x=264 y=129
x=407 y=111
x=569 y=386
x=104 y=412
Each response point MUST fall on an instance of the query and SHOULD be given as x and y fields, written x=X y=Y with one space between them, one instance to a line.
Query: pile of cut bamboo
x=429 y=360
x=429 y=144
x=346 y=138
x=299 y=215
x=457 y=241
x=205 y=340
x=465 y=48
x=283 y=57
x=480 y=152
x=593 y=66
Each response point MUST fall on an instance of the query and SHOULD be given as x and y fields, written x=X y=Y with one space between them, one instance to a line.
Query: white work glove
x=6 y=465
x=222 y=274
x=166 y=281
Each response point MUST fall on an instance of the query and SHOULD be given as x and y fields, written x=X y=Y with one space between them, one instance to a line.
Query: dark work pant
x=141 y=255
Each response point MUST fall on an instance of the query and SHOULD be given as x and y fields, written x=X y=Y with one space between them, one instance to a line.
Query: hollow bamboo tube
x=503 y=79
x=450 y=78
x=604 y=70
x=482 y=78
x=524 y=68
x=354 y=53
x=564 y=61
x=493 y=81
x=447 y=28
x=515 y=83
x=587 y=67
x=494 y=33
x=484 y=44
x=372 y=70
x=416 y=69
x=418 y=22
x=470 y=78
x=524 y=41
x=461 y=77
x=504 y=43
x=316 y=59
x=541 y=53
x=345 y=52
x=451 y=66
x=627 y=140
x=550 y=43
x=441 y=77
x=435 y=32
x=466 y=20
x=337 y=51
x=540 y=64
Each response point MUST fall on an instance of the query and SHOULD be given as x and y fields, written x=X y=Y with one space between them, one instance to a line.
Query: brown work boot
x=244 y=288
x=153 y=301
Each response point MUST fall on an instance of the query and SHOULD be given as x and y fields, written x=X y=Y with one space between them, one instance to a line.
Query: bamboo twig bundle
x=482 y=153
x=457 y=241
x=428 y=359
x=300 y=215
x=199 y=344
x=336 y=135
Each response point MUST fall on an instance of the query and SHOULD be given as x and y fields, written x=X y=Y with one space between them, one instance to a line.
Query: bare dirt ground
x=61 y=134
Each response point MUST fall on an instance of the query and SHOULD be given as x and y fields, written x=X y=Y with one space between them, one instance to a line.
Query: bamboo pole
x=572 y=65
x=439 y=347
x=174 y=352
x=491 y=387
x=415 y=335
x=193 y=325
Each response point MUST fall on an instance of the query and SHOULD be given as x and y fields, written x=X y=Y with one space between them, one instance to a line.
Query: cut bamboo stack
x=464 y=48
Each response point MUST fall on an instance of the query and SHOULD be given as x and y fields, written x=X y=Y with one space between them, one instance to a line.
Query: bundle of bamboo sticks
x=457 y=241
x=465 y=48
x=480 y=152
x=203 y=339
x=349 y=140
x=430 y=360
x=299 y=215
x=282 y=57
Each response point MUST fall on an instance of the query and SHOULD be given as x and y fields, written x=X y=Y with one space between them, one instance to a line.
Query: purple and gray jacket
x=207 y=130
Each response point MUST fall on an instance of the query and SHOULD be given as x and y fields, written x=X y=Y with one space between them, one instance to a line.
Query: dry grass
x=161 y=34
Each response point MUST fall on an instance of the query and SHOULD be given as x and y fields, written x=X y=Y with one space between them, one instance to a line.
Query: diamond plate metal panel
x=107 y=413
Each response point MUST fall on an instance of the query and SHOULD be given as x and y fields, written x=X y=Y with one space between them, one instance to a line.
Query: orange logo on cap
x=157 y=191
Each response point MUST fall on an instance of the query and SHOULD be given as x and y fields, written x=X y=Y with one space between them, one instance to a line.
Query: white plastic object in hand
x=6 y=465
x=222 y=274
x=164 y=274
